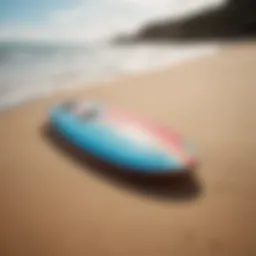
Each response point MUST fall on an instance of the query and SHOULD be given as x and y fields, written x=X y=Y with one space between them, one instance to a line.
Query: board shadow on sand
x=165 y=187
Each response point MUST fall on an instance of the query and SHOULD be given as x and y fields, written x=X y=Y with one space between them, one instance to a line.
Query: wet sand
x=54 y=204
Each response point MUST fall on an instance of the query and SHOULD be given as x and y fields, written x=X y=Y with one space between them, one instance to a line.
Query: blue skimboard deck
x=121 y=139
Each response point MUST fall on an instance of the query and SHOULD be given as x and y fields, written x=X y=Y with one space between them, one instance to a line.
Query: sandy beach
x=53 y=205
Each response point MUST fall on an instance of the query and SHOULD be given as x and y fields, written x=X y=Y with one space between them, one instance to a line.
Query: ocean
x=29 y=70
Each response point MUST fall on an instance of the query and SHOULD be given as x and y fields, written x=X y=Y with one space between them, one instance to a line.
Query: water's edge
x=53 y=68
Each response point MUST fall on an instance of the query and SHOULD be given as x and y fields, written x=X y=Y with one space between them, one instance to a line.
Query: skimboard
x=121 y=138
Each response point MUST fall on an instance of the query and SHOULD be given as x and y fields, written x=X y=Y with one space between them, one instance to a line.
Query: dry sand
x=52 y=205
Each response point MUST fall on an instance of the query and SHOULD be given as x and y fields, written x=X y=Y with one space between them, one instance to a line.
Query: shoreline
x=109 y=81
x=21 y=95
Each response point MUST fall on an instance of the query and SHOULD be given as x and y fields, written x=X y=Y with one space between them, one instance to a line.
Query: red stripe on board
x=169 y=139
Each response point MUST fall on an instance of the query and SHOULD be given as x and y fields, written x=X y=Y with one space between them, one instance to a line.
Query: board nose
x=68 y=105
x=83 y=110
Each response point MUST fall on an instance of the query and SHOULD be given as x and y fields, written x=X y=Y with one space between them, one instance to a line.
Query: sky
x=86 y=20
